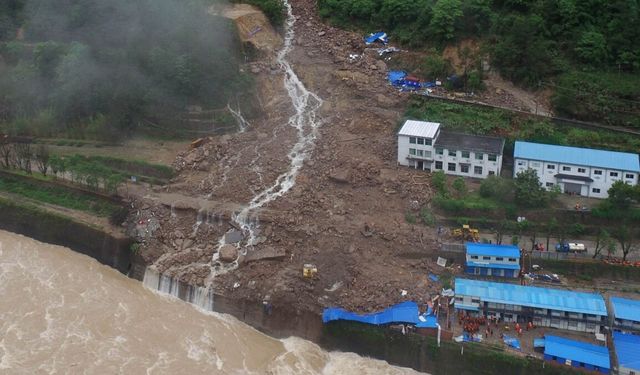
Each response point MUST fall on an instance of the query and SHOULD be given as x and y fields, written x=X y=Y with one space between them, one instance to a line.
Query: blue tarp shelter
x=511 y=341
x=627 y=348
x=405 y=312
x=376 y=37
x=577 y=354
x=396 y=76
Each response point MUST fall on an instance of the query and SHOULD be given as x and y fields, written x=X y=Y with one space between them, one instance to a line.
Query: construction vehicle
x=466 y=233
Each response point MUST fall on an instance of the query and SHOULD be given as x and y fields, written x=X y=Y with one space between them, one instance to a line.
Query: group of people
x=472 y=325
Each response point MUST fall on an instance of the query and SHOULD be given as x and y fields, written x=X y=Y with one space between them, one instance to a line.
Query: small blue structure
x=403 y=313
x=396 y=76
x=626 y=313
x=492 y=260
x=577 y=354
x=376 y=37
x=627 y=348
x=511 y=342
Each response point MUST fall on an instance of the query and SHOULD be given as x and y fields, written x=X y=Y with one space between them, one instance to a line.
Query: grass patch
x=59 y=196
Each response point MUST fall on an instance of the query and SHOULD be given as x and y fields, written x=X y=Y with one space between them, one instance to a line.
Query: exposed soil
x=346 y=213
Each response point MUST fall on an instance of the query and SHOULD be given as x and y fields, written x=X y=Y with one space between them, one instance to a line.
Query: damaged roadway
x=345 y=214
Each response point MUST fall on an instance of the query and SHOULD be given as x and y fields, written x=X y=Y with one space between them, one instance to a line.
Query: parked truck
x=571 y=247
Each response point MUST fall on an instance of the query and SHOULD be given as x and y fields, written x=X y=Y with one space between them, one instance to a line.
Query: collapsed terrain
x=313 y=182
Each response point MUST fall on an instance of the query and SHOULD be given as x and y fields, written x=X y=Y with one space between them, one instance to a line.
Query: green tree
x=460 y=187
x=435 y=66
x=498 y=188
x=439 y=180
x=592 y=48
x=528 y=189
x=446 y=17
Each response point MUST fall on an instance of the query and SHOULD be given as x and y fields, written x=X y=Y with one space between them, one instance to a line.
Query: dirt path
x=506 y=94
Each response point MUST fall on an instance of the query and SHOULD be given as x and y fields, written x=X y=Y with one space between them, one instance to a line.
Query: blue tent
x=376 y=37
x=396 y=76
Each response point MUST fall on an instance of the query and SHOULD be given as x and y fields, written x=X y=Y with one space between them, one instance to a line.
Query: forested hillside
x=95 y=68
x=588 y=51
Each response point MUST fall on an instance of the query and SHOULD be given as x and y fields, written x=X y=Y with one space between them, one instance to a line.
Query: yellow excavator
x=466 y=233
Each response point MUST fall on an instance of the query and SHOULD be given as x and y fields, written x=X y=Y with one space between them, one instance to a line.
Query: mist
x=99 y=68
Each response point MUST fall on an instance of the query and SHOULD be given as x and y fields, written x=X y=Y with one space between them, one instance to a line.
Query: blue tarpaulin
x=395 y=76
x=433 y=277
x=377 y=37
x=538 y=343
x=511 y=341
x=405 y=312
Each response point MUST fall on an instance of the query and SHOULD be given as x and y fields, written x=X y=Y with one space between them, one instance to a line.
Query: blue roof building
x=492 y=260
x=546 y=307
x=577 y=354
x=580 y=171
x=626 y=313
x=627 y=347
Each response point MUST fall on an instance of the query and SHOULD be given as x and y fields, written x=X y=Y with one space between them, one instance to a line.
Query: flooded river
x=64 y=313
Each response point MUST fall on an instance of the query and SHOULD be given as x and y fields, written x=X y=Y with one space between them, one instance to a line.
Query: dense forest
x=95 y=69
x=587 y=51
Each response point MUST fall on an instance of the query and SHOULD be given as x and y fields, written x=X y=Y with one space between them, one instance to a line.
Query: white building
x=581 y=171
x=423 y=145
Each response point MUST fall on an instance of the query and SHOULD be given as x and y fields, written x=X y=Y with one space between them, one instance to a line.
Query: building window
x=595 y=190
x=535 y=164
x=597 y=172
x=412 y=151
x=549 y=184
x=479 y=156
x=629 y=176
x=474 y=257
x=453 y=152
x=439 y=151
x=427 y=154
x=492 y=173
x=551 y=166
x=420 y=152
x=500 y=258
x=420 y=141
x=566 y=168
x=477 y=170
x=464 y=168
x=486 y=258
x=581 y=170
x=493 y=157
x=512 y=259
x=451 y=167
x=613 y=174
x=465 y=154
x=521 y=164
x=475 y=300
x=438 y=165
x=412 y=140
x=427 y=141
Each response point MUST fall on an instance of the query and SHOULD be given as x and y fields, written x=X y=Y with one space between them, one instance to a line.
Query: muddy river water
x=64 y=313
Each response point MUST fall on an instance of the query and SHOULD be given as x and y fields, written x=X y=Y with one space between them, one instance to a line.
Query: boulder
x=228 y=253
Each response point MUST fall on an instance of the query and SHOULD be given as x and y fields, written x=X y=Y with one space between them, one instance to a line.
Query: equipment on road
x=309 y=271
x=566 y=247
x=466 y=233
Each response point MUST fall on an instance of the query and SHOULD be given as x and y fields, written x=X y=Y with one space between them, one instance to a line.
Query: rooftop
x=542 y=298
x=468 y=142
x=627 y=348
x=423 y=129
x=627 y=309
x=577 y=156
x=577 y=351
x=492 y=250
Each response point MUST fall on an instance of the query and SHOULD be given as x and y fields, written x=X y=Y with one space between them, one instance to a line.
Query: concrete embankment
x=57 y=229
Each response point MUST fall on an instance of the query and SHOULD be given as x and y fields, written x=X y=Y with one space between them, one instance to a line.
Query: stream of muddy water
x=62 y=312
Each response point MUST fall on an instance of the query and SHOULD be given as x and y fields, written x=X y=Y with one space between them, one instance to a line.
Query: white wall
x=408 y=160
x=484 y=163
x=602 y=181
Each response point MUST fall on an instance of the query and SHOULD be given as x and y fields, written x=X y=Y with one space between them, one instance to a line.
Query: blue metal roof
x=405 y=312
x=627 y=309
x=494 y=265
x=542 y=298
x=577 y=351
x=507 y=251
x=627 y=348
x=579 y=156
